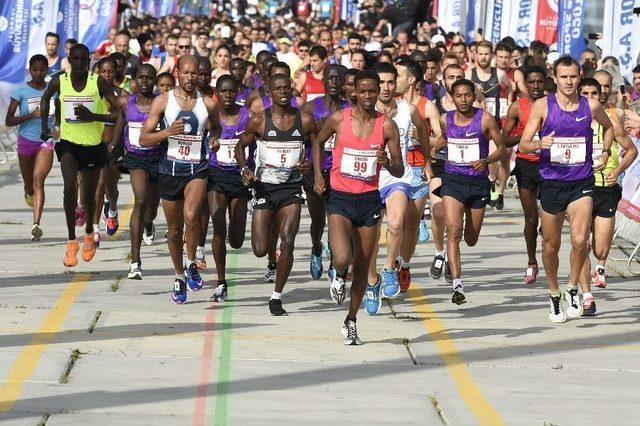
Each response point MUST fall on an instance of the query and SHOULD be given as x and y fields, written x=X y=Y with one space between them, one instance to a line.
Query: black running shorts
x=556 y=195
x=437 y=167
x=148 y=163
x=362 y=209
x=527 y=174
x=89 y=157
x=605 y=200
x=270 y=196
x=227 y=182
x=172 y=187
x=309 y=180
x=472 y=192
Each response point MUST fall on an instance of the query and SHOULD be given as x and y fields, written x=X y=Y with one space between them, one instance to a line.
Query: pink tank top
x=355 y=167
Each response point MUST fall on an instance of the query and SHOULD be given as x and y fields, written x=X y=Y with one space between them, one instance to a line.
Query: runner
x=563 y=120
x=34 y=156
x=418 y=159
x=238 y=70
x=607 y=192
x=165 y=83
x=363 y=136
x=54 y=61
x=277 y=177
x=526 y=169
x=183 y=167
x=320 y=108
x=80 y=150
x=466 y=133
x=142 y=164
x=225 y=191
x=394 y=191
x=311 y=84
x=350 y=86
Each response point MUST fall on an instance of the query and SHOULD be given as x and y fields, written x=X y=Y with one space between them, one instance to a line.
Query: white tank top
x=173 y=109
x=403 y=121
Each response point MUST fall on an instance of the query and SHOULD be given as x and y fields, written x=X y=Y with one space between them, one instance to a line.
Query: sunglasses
x=303 y=50
x=184 y=47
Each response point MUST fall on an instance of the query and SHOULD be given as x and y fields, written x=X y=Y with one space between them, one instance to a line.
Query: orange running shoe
x=88 y=248
x=71 y=256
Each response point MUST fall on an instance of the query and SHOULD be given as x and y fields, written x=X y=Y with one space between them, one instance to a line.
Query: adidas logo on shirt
x=295 y=133
x=271 y=133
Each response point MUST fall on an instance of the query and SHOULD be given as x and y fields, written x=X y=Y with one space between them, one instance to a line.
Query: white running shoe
x=556 y=314
x=572 y=299
x=135 y=271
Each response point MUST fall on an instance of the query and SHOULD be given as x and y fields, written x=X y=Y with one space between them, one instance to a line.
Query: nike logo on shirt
x=581 y=118
x=376 y=216
x=239 y=133
x=471 y=134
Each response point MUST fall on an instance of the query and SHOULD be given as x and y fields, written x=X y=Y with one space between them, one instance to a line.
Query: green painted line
x=222 y=384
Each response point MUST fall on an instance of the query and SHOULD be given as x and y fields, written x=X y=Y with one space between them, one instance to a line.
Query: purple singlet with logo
x=232 y=133
x=320 y=113
x=257 y=81
x=132 y=115
x=241 y=97
x=428 y=91
x=466 y=144
x=570 y=159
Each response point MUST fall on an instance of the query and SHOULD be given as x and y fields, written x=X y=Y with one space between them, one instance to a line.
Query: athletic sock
x=600 y=268
x=457 y=282
x=587 y=295
x=180 y=277
x=276 y=295
x=96 y=227
x=190 y=262
x=572 y=287
x=441 y=253
x=405 y=265
x=113 y=213
x=554 y=294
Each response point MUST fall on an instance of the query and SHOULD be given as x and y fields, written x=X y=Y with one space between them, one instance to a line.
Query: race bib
x=226 y=153
x=70 y=102
x=135 y=129
x=568 y=151
x=34 y=103
x=361 y=164
x=413 y=140
x=185 y=148
x=597 y=148
x=491 y=105
x=504 y=107
x=462 y=152
x=282 y=155
x=331 y=143
x=312 y=96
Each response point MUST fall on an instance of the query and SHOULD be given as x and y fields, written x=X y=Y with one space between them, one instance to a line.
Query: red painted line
x=200 y=411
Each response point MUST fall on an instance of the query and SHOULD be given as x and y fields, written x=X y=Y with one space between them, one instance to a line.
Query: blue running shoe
x=326 y=251
x=424 y=232
x=391 y=287
x=372 y=299
x=194 y=280
x=315 y=266
x=179 y=295
x=331 y=274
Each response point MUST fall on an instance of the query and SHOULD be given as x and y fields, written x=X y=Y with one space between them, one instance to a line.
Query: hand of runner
x=545 y=142
x=45 y=134
x=83 y=113
x=478 y=165
x=305 y=164
x=600 y=162
x=611 y=178
x=177 y=127
x=320 y=186
x=247 y=176
x=427 y=173
x=214 y=144
x=383 y=159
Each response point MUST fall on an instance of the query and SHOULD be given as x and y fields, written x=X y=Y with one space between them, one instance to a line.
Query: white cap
x=552 y=57
x=438 y=38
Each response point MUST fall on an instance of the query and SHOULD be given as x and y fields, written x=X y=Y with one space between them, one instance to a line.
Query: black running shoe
x=458 y=296
x=500 y=202
x=436 y=267
x=448 y=277
x=275 y=306
x=350 y=333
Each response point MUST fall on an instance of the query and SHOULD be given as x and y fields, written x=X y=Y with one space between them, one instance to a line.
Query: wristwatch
x=607 y=150
x=243 y=169
x=485 y=160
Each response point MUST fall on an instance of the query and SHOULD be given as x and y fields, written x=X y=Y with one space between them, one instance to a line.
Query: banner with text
x=622 y=33
x=450 y=15
x=166 y=7
x=571 y=27
x=522 y=21
x=96 y=16
x=67 y=23
x=494 y=20
x=547 y=21
x=472 y=21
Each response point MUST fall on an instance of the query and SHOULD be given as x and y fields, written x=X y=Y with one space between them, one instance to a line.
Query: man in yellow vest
x=80 y=150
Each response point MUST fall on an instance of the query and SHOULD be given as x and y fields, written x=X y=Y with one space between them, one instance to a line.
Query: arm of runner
x=513 y=116
x=251 y=133
x=518 y=76
x=11 y=119
x=442 y=140
x=395 y=164
x=422 y=128
x=490 y=126
x=433 y=116
x=317 y=154
x=601 y=117
x=504 y=79
x=630 y=154
x=536 y=117
x=213 y=123
x=299 y=82
x=120 y=123
x=310 y=131
x=52 y=88
x=148 y=135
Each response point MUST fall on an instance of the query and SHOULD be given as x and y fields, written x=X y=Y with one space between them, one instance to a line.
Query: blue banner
x=67 y=22
x=196 y=8
x=15 y=20
x=497 y=23
x=95 y=20
x=166 y=7
x=571 y=27
x=148 y=7
x=471 y=23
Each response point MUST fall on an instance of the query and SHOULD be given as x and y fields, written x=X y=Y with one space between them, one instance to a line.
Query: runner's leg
x=218 y=208
x=453 y=218
x=528 y=199
x=472 y=225
x=194 y=196
x=174 y=215
x=140 y=185
x=69 y=169
x=552 y=231
x=288 y=220
x=27 y=165
x=43 y=163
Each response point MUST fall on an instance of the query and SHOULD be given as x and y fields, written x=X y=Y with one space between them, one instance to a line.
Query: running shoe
x=458 y=295
x=179 y=294
x=36 y=232
x=28 y=200
x=436 y=267
x=80 y=215
x=326 y=251
x=149 y=234
x=588 y=307
x=599 y=279
x=372 y=299
x=135 y=271
x=404 y=277
x=572 y=299
x=270 y=276
x=424 y=234
x=331 y=273
x=220 y=293
x=112 y=225
x=201 y=262
x=500 y=202
x=494 y=195
x=338 y=290
x=391 y=287
x=350 y=333
x=88 y=248
x=448 y=277
x=105 y=209
x=556 y=314
x=531 y=274
x=275 y=307
x=71 y=255
x=96 y=236
x=194 y=280
x=315 y=266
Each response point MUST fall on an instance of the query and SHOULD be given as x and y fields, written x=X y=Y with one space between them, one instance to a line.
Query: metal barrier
x=629 y=231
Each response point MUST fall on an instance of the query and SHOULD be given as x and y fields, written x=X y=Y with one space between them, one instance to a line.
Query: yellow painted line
x=29 y=358
x=471 y=394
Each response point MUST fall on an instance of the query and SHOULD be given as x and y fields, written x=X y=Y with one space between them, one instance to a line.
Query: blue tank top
x=466 y=144
x=225 y=158
x=569 y=158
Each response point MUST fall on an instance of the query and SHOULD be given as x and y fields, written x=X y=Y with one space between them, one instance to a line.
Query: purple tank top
x=257 y=81
x=569 y=158
x=133 y=127
x=241 y=98
x=428 y=91
x=466 y=144
x=320 y=113
x=229 y=137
